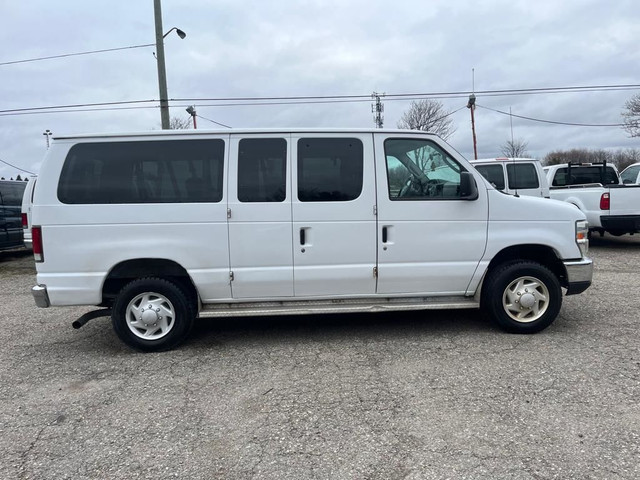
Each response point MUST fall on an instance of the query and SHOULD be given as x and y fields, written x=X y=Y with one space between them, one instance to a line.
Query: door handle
x=302 y=236
x=384 y=234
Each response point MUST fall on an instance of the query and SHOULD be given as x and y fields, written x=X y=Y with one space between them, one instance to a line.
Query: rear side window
x=329 y=169
x=522 y=176
x=12 y=193
x=157 y=171
x=582 y=175
x=493 y=173
x=262 y=170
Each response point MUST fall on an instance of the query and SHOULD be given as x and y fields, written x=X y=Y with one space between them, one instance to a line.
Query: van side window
x=419 y=170
x=262 y=170
x=157 y=171
x=493 y=173
x=522 y=176
x=330 y=169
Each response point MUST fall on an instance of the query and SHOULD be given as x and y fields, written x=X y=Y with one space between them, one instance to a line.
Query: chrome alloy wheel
x=150 y=316
x=526 y=299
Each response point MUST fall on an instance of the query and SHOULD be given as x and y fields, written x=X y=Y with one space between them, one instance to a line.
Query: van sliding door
x=334 y=223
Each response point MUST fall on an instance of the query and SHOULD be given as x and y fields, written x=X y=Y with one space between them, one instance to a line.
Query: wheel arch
x=541 y=254
x=128 y=270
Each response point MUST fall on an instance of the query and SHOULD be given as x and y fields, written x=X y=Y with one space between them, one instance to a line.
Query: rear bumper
x=579 y=275
x=621 y=223
x=41 y=296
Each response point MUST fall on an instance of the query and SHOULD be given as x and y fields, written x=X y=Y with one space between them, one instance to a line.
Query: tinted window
x=522 y=176
x=262 y=170
x=493 y=173
x=158 y=171
x=12 y=193
x=420 y=170
x=329 y=169
x=582 y=175
x=630 y=175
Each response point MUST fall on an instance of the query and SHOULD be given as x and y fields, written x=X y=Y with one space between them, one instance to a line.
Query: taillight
x=605 y=202
x=25 y=222
x=36 y=238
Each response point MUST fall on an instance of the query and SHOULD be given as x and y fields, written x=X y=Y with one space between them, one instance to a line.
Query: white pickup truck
x=596 y=189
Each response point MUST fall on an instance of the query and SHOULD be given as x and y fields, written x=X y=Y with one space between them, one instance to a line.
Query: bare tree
x=177 y=123
x=429 y=116
x=514 y=149
x=620 y=158
x=632 y=116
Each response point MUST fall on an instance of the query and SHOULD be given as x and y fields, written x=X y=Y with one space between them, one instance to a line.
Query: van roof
x=202 y=132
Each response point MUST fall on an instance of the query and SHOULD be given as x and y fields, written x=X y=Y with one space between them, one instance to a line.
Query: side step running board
x=310 y=307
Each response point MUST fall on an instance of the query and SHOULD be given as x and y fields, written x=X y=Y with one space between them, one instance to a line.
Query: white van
x=163 y=227
x=515 y=176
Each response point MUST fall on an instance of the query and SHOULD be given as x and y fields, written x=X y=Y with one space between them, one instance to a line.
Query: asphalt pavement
x=427 y=395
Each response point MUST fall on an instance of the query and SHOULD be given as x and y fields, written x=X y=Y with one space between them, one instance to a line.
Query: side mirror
x=468 y=186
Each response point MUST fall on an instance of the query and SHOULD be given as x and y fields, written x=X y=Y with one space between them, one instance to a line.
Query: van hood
x=510 y=207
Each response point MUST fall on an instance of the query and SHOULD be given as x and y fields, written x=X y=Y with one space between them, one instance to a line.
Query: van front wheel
x=152 y=314
x=522 y=297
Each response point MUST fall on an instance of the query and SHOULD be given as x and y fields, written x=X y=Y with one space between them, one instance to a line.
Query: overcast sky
x=273 y=48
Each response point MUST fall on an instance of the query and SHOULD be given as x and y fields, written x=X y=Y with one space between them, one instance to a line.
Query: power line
x=553 y=121
x=17 y=168
x=308 y=99
x=76 y=54
x=213 y=121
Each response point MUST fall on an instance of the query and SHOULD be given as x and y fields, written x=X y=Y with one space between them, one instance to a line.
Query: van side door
x=259 y=216
x=430 y=241
x=334 y=221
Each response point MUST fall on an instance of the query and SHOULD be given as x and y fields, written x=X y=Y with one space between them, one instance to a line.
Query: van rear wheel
x=152 y=314
x=522 y=296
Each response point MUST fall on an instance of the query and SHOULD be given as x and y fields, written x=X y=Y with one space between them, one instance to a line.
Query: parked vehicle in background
x=516 y=176
x=595 y=188
x=631 y=174
x=25 y=213
x=11 y=192
x=163 y=227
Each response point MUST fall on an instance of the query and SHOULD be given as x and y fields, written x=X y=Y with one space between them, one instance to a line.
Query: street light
x=180 y=33
x=191 y=110
x=162 y=73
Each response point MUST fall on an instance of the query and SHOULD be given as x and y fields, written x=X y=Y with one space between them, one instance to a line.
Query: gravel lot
x=392 y=396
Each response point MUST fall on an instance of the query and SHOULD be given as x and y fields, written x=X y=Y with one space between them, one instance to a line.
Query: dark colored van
x=10 y=220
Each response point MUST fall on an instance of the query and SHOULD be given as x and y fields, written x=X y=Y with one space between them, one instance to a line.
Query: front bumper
x=579 y=275
x=41 y=296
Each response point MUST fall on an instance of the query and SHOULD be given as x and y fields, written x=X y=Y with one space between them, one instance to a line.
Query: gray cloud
x=277 y=48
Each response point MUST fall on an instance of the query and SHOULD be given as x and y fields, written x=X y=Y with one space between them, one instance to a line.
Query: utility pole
x=377 y=109
x=162 y=73
x=191 y=110
x=471 y=105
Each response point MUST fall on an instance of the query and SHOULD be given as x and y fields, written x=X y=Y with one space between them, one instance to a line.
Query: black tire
x=521 y=296
x=161 y=327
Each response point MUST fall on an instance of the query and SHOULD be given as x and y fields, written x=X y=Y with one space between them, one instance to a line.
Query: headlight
x=582 y=236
